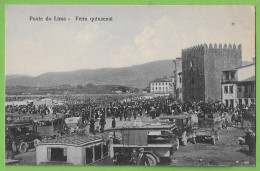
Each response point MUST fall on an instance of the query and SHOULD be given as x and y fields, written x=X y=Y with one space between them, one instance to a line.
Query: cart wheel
x=177 y=143
x=23 y=147
x=213 y=141
x=152 y=160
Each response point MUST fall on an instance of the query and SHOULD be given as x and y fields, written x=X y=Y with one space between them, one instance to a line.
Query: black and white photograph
x=130 y=85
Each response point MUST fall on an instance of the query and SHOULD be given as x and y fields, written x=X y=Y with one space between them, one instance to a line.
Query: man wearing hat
x=102 y=123
x=250 y=141
x=113 y=122
x=134 y=156
x=142 y=159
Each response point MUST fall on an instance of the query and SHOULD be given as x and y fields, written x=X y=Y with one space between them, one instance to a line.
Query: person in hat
x=92 y=125
x=9 y=146
x=129 y=113
x=142 y=159
x=125 y=114
x=113 y=122
x=250 y=141
x=134 y=156
x=102 y=123
x=97 y=130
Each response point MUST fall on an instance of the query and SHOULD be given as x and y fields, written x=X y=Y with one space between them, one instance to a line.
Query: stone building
x=177 y=79
x=238 y=86
x=202 y=68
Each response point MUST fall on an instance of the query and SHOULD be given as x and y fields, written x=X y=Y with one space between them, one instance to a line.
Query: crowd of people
x=127 y=109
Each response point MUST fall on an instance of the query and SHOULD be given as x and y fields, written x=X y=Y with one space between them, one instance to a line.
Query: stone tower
x=202 y=66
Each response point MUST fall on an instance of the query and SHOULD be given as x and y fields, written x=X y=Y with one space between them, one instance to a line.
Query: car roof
x=47 y=118
x=18 y=124
x=147 y=126
x=183 y=116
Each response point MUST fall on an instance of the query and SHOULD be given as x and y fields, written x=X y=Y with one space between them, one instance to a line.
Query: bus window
x=57 y=154
x=98 y=152
x=89 y=155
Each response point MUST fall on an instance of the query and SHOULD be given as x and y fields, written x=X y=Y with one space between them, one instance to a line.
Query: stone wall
x=193 y=74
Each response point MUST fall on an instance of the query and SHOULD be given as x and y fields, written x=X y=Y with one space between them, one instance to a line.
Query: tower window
x=191 y=64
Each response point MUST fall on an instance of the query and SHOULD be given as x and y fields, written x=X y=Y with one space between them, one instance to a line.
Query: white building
x=238 y=86
x=160 y=86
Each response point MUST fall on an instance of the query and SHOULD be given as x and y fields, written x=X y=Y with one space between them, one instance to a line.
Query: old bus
x=75 y=149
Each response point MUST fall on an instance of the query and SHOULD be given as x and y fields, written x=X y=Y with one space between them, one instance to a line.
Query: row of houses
x=209 y=74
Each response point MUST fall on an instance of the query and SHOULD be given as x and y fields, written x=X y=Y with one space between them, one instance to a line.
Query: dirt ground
x=226 y=152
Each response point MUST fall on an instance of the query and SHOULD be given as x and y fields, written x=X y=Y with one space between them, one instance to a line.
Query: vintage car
x=184 y=128
x=48 y=126
x=73 y=122
x=24 y=133
x=208 y=129
x=75 y=149
x=157 y=140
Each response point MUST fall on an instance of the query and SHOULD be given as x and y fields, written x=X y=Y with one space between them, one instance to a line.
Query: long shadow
x=246 y=152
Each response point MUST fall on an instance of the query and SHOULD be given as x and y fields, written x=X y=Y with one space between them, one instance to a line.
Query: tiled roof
x=249 y=79
x=237 y=68
x=76 y=139
x=160 y=80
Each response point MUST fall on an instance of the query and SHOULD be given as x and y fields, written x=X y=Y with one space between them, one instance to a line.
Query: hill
x=134 y=76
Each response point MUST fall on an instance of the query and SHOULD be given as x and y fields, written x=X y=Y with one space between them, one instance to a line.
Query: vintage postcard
x=130 y=85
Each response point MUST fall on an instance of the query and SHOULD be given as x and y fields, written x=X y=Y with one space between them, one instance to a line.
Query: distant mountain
x=134 y=76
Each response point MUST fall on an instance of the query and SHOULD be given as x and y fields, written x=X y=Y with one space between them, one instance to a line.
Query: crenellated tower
x=202 y=66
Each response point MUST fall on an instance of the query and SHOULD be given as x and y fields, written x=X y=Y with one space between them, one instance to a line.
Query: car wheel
x=151 y=159
x=23 y=147
x=35 y=142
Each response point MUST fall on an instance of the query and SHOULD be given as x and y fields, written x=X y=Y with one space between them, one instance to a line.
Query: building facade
x=202 y=68
x=160 y=86
x=177 y=79
x=238 y=86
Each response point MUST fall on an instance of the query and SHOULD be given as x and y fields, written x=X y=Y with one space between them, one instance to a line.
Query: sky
x=136 y=35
